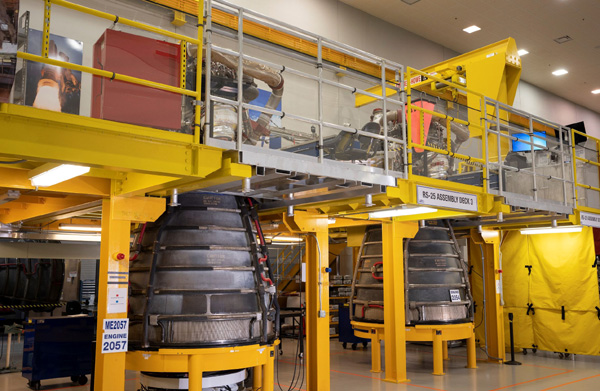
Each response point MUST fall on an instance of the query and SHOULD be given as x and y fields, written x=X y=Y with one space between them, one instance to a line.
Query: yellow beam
x=393 y=234
x=137 y=209
x=229 y=172
x=160 y=185
x=83 y=185
x=27 y=207
x=65 y=138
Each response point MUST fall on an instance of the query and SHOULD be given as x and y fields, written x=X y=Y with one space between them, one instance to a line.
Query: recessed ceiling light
x=560 y=72
x=522 y=52
x=596 y=91
x=563 y=39
x=410 y=2
x=472 y=29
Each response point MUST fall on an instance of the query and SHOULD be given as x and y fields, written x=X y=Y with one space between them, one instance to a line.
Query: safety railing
x=438 y=128
x=109 y=75
x=287 y=110
x=412 y=125
x=488 y=144
x=531 y=158
x=587 y=169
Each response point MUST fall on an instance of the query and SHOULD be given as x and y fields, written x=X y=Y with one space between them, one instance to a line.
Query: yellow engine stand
x=438 y=334
x=197 y=361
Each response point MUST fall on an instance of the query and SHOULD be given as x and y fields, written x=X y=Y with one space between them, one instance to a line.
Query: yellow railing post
x=484 y=135
x=197 y=109
x=46 y=32
x=574 y=160
x=409 y=145
x=183 y=63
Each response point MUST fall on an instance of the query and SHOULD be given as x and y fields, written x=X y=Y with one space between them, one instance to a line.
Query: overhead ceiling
x=534 y=24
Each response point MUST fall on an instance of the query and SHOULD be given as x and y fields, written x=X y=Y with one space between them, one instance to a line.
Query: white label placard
x=446 y=198
x=114 y=336
x=117 y=300
x=498 y=287
x=454 y=295
x=590 y=219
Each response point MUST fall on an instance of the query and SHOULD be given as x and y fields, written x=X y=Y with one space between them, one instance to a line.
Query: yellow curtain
x=562 y=280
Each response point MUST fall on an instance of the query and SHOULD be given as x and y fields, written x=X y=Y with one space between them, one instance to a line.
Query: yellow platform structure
x=197 y=361
x=133 y=166
x=439 y=335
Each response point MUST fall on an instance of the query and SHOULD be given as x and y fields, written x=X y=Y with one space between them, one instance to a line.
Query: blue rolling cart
x=347 y=332
x=58 y=347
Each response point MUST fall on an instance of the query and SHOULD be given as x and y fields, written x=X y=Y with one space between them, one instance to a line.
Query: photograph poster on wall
x=50 y=87
x=9 y=17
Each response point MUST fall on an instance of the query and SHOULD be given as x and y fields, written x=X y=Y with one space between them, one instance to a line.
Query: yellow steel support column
x=445 y=350
x=438 y=356
x=268 y=383
x=257 y=378
x=494 y=312
x=471 y=352
x=376 y=355
x=317 y=299
x=195 y=372
x=110 y=368
x=117 y=215
x=393 y=234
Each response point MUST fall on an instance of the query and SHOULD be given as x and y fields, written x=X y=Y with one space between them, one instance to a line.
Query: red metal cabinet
x=141 y=57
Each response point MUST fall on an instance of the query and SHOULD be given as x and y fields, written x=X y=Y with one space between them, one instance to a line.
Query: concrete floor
x=350 y=370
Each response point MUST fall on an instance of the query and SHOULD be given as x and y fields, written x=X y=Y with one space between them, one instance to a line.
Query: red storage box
x=144 y=58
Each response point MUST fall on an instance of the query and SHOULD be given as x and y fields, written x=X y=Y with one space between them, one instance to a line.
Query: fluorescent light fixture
x=560 y=72
x=51 y=174
x=401 y=212
x=331 y=221
x=284 y=238
x=522 y=52
x=596 y=91
x=72 y=237
x=471 y=29
x=80 y=227
x=551 y=230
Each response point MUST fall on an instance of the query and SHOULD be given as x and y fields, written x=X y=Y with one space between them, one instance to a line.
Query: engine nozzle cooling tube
x=150 y=288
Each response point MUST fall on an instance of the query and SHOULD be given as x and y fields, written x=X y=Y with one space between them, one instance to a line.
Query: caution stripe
x=30 y=306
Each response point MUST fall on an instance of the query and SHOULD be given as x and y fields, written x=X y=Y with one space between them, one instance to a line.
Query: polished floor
x=350 y=370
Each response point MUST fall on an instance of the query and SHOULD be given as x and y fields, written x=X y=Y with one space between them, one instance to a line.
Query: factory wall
x=343 y=23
